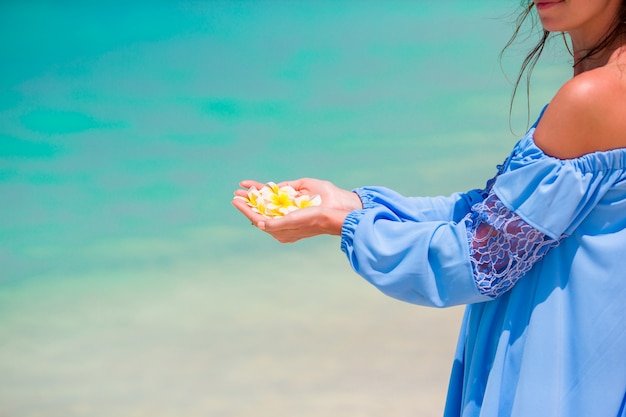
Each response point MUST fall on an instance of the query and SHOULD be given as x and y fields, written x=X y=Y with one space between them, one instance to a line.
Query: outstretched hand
x=326 y=218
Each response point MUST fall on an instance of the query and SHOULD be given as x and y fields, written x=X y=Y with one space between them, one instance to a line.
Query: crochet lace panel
x=502 y=246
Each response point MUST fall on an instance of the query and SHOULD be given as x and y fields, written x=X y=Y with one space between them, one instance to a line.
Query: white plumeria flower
x=274 y=201
x=304 y=200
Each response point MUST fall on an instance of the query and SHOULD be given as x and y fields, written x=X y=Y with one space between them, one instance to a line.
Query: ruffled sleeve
x=555 y=195
x=437 y=261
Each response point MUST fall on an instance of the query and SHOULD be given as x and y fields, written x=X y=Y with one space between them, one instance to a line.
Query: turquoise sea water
x=128 y=284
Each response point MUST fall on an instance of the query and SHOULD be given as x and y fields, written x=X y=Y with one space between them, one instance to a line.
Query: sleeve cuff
x=349 y=227
x=367 y=199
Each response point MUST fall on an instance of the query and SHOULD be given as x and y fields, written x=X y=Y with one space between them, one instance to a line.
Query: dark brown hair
x=617 y=29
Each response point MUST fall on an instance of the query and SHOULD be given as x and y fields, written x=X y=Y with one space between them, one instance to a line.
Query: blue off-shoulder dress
x=538 y=256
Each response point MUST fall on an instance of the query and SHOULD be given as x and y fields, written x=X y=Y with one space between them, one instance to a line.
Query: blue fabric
x=554 y=344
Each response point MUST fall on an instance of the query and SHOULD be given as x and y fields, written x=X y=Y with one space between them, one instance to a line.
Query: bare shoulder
x=587 y=114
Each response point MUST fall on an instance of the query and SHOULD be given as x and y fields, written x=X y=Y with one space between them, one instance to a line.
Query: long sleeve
x=424 y=263
x=420 y=251
x=413 y=253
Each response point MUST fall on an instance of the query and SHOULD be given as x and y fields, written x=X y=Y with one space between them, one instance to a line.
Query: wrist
x=334 y=221
x=351 y=201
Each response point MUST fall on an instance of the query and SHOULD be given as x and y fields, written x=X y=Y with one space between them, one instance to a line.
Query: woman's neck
x=583 y=64
x=600 y=58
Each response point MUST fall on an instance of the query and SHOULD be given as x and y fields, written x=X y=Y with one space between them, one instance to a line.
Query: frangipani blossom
x=307 y=201
x=274 y=201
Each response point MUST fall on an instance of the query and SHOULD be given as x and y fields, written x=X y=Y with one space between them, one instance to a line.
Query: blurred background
x=129 y=286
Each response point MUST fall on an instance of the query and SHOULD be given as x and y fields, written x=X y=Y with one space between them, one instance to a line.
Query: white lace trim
x=503 y=247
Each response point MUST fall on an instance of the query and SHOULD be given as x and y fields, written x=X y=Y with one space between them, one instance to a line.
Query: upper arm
x=586 y=115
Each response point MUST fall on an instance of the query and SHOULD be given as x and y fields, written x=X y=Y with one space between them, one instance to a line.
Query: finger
x=287 y=183
x=296 y=184
x=251 y=183
x=247 y=211
x=283 y=224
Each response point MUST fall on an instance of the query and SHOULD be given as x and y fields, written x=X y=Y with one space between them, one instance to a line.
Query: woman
x=538 y=255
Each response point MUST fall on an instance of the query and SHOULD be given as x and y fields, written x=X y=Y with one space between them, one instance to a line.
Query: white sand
x=296 y=334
